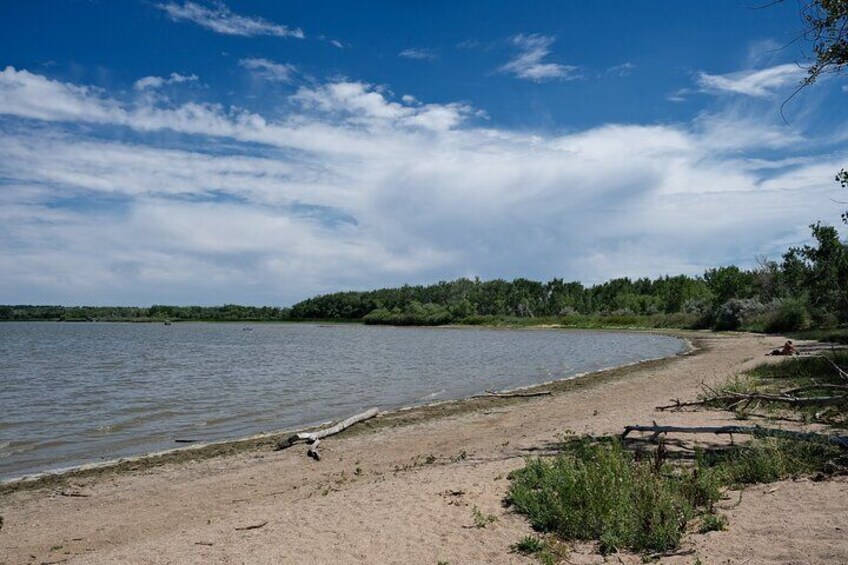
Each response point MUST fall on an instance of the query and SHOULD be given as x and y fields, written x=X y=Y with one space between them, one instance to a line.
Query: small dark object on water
x=186 y=440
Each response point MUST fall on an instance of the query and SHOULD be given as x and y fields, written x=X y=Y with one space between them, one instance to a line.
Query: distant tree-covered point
x=808 y=288
x=156 y=313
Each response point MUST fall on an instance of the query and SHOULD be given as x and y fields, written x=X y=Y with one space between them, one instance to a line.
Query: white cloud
x=622 y=70
x=355 y=189
x=418 y=53
x=363 y=101
x=219 y=18
x=35 y=96
x=154 y=82
x=269 y=70
x=760 y=83
x=529 y=63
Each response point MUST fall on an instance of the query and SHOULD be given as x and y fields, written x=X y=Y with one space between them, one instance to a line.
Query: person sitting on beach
x=787 y=349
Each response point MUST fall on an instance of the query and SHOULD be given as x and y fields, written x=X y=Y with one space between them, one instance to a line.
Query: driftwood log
x=314 y=438
x=493 y=394
x=756 y=431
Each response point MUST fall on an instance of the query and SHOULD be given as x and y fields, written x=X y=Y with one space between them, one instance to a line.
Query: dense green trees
x=808 y=287
x=229 y=312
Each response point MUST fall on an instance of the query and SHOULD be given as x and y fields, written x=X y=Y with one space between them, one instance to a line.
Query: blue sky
x=173 y=151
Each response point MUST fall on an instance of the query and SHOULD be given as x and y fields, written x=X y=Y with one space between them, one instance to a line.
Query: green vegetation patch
x=599 y=490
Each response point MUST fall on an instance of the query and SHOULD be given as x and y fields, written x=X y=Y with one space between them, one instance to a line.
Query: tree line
x=225 y=313
x=808 y=287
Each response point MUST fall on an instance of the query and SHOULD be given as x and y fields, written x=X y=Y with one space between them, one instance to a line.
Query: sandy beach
x=402 y=488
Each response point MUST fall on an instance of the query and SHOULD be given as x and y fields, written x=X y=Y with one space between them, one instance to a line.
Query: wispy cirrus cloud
x=529 y=63
x=622 y=70
x=419 y=54
x=154 y=82
x=758 y=83
x=269 y=70
x=220 y=19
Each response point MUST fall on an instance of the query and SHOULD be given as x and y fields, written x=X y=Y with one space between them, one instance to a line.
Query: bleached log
x=313 y=438
x=493 y=394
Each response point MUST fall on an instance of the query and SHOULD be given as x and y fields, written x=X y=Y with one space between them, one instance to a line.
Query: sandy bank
x=402 y=489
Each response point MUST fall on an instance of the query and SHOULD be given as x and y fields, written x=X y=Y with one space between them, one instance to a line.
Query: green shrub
x=415 y=314
x=713 y=523
x=597 y=492
x=789 y=315
x=736 y=311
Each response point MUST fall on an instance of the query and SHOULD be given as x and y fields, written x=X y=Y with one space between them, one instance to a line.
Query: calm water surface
x=81 y=393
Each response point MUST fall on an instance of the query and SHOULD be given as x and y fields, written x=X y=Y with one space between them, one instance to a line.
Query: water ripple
x=78 y=393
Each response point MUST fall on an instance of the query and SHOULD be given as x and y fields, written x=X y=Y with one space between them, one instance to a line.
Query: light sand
x=405 y=493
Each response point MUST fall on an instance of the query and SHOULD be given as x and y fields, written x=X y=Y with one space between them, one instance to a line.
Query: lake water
x=74 y=393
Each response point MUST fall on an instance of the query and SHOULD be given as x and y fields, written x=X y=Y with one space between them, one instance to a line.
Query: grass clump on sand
x=599 y=490
x=482 y=520
x=804 y=370
x=528 y=545
x=771 y=459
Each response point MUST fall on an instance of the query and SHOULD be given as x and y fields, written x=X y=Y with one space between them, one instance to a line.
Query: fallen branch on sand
x=672 y=553
x=785 y=397
x=252 y=527
x=842 y=372
x=493 y=394
x=756 y=431
x=314 y=438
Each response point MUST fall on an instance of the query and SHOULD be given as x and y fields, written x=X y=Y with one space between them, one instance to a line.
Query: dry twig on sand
x=252 y=526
